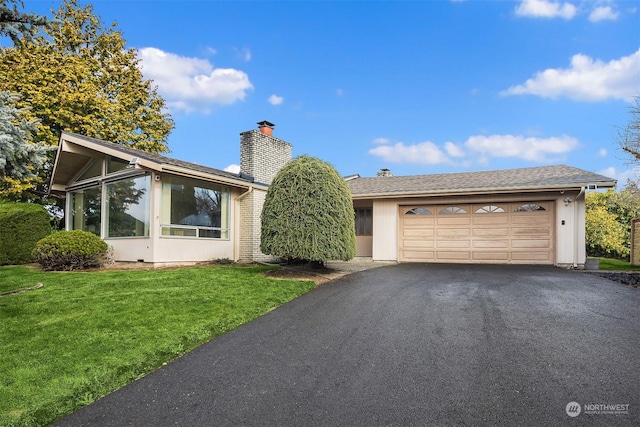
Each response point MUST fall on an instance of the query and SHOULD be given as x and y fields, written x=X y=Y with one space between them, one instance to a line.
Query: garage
x=511 y=216
x=514 y=233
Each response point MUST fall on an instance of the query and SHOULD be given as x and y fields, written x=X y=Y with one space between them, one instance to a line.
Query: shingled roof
x=523 y=179
x=157 y=158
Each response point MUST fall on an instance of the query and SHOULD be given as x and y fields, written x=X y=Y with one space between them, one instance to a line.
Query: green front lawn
x=85 y=334
x=608 y=264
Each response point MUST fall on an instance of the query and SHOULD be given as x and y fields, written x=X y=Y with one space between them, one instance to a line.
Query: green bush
x=308 y=213
x=21 y=226
x=70 y=250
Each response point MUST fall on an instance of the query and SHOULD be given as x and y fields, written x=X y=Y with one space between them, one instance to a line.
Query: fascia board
x=484 y=191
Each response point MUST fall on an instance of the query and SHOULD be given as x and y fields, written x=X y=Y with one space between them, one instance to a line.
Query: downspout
x=236 y=246
x=575 y=228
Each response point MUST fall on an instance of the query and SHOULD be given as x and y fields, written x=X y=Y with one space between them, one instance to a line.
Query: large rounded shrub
x=21 y=226
x=70 y=250
x=308 y=213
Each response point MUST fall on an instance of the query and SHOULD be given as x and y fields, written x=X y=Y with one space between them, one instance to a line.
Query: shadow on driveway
x=409 y=344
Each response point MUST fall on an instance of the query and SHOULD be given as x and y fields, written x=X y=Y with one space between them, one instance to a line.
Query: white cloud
x=546 y=9
x=380 y=141
x=424 y=153
x=586 y=80
x=621 y=176
x=243 y=53
x=453 y=150
x=233 y=168
x=531 y=148
x=192 y=83
x=477 y=149
x=603 y=13
x=602 y=152
x=275 y=100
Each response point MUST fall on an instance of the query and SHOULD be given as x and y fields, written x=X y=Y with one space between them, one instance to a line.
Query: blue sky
x=417 y=87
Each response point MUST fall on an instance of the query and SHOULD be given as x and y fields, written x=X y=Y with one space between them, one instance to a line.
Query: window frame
x=177 y=231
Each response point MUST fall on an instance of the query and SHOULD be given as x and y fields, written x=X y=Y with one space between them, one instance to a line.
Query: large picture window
x=85 y=208
x=128 y=207
x=193 y=208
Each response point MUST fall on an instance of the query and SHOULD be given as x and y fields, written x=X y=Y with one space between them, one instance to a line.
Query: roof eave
x=480 y=191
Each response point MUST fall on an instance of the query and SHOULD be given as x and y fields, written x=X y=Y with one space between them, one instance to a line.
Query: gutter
x=476 y=191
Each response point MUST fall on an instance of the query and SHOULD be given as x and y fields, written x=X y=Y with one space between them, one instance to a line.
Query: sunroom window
x=128 y=207
x=194 y=208
x=85 y=208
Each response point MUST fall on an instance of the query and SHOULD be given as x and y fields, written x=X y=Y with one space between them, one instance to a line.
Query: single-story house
x=156 y=209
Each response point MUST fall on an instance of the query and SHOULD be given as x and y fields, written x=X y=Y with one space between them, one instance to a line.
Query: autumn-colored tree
x=308 y=213
x=608 y=221
x=79 y=77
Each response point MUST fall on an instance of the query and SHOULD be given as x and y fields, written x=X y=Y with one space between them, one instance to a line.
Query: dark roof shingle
x=467 y=182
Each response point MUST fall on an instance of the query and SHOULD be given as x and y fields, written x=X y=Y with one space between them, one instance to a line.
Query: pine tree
x=20 y=159
x=16 y=24
x=308 y=213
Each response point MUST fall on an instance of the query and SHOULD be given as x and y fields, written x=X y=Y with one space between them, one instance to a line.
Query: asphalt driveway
x=410 y=344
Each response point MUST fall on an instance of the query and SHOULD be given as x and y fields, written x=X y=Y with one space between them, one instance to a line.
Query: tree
x=79 y=77
x=608 y=221
x=20 y=159
x=16 y=24
x=629 y=136
x=308 y=213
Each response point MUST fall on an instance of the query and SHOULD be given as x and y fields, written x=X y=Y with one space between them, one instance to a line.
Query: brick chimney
x=266 y=127
x=261 y=154
x=384 y=172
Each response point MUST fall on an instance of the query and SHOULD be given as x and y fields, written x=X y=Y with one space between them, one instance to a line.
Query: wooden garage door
x=518 y=233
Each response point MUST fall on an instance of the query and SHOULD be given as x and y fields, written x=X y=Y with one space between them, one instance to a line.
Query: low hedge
x=70 y=250
x=21 y=226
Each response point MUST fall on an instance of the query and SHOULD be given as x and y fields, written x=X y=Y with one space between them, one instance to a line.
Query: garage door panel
x=517 y=233
x=500 y=243
x=453 y=232
x=490 y=232
x=531 y=243
x=530 y=219
x=453 y=255
x=418 y=233
x=419 y=222
x=490 y=219
x=453 y=243
x=419 y=255
x=453 y=220
x=530 y=256
x=491 y=256
x=530 y=231
x=418 y=244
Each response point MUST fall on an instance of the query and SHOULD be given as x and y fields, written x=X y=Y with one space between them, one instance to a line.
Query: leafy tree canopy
x=308 y=213
x=78 y=76
x=608 y=221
